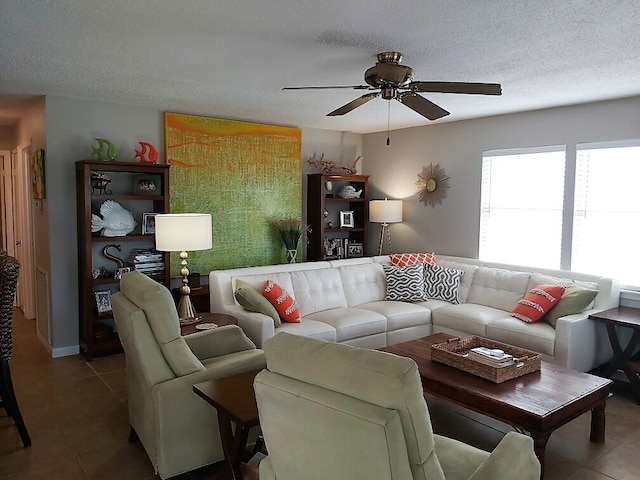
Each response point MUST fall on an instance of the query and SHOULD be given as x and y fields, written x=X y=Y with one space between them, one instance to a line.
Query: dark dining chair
x=9 y=270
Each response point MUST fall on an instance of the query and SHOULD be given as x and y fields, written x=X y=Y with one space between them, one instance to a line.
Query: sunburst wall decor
x=433 y=184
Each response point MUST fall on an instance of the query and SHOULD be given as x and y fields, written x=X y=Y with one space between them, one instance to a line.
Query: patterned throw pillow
x=404 y=259
x=405 y=284
x=442 y=283
x=285 y=305
x=537 y=302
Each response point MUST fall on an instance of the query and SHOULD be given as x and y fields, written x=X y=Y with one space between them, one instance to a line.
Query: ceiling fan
x=393 y=81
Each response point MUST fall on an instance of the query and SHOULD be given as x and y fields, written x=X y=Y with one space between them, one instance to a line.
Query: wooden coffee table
x=538 y=403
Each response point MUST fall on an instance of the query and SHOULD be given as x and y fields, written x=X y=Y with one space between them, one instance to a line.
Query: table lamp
x=182 y=232
x=385 y=212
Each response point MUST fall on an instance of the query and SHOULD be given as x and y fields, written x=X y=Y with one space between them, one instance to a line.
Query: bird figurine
x=105 y=150
x=147 y=153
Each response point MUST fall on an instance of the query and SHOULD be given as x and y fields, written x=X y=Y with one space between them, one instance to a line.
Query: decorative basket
x=454 y=353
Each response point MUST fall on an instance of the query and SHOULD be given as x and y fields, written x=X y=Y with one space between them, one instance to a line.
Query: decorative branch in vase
x=290 y=231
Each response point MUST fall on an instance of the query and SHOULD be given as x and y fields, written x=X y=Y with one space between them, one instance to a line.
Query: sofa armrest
x=218 y=342
x=512 y=458
x=258 y=327
x=581 y=343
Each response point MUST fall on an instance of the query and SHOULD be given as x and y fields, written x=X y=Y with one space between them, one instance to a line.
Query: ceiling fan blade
x=353 y=104
x=352 y=87
x=457 y=87
x=421 y=105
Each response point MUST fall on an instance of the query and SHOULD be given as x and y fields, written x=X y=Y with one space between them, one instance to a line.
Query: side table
x=234 y=399
x=622 y=318
x=220 y=319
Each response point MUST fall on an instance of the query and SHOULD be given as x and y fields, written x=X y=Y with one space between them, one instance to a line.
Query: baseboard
x=65 y=351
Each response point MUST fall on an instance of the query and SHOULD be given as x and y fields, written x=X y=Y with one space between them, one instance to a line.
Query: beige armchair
x=177 y=429
x=333 y=411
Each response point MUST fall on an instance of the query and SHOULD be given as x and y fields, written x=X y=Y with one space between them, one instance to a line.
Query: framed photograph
x=355 y=250
x=148 y=223
x=346 y=219
x=103 y=301
x=146 y=185
x=120 y=271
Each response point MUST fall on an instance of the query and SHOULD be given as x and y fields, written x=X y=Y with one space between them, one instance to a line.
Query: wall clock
x=432 y=184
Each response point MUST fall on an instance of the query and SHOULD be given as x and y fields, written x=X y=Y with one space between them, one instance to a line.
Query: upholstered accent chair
x=9 y=271
x=331 y=410
x=177 y=429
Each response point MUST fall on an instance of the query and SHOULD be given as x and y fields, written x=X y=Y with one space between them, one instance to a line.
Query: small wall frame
x=346 y=219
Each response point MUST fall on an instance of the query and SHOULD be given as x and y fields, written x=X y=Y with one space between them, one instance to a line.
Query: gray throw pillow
x=442 y=283
x=251 y=299
x=575 y=299
x=405 y=284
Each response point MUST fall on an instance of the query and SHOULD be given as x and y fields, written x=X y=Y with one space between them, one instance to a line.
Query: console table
x=622 y=318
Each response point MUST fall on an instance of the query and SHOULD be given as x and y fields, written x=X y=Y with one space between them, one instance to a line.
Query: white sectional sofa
x=344 y=301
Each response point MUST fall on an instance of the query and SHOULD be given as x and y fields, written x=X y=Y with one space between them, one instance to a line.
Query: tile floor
x=76 y=415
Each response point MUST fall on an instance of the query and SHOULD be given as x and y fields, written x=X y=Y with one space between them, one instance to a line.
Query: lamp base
x=186 y=312
x=385 y=226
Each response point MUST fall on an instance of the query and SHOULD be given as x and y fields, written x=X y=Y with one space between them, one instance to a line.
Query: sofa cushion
x=466 y=280
x=310 y=328
x=442 y=283
x=575 y=299
x=253 y=300
x=498 y=288
x=283 y=302
x=537 y=302
x=466 y=317
x=539 y=337
x=404 y=259
x=155 y=300
x=400 y=314
x=351 y=323
x=363 y=283
x=405 y=283
x=317 y=290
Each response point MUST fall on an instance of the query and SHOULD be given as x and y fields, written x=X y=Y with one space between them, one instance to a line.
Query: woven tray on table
x=454 y=353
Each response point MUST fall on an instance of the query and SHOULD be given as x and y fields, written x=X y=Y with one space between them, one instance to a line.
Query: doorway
x=16 y=224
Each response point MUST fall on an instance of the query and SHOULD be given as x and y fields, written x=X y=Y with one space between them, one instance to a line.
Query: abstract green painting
x=246 y=175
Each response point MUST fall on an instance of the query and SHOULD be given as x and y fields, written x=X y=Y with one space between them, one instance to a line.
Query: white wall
x=72 y=126
x=452 y=227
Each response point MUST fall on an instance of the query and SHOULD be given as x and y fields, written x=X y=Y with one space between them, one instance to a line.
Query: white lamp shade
x=183 y=232
x=384 y=211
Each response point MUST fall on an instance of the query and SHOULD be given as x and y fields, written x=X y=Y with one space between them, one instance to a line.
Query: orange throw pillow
x=283 y=302
x=537 y=302
x=404 y=259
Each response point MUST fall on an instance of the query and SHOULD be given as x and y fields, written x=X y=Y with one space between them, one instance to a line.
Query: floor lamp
x=182 y=232
x=385 y=212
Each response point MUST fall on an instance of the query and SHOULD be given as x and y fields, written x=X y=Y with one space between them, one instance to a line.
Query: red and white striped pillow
x=537 y=302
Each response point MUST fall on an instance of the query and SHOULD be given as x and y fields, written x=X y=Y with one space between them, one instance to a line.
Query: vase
x=291 y=256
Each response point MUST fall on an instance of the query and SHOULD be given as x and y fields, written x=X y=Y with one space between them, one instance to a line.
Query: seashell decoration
x=116 y=220
x=349 y=192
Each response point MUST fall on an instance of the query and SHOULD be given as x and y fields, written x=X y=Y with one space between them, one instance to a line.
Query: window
x=588 y=222
x=521 y=207
x=606 y=212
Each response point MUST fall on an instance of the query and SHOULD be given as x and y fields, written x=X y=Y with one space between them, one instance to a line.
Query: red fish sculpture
x=147 y=153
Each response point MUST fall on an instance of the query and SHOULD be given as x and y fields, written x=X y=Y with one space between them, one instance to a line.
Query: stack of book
x=490 y=356
x=147 y=260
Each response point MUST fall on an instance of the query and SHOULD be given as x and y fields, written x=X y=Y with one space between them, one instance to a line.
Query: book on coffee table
x=490 y=356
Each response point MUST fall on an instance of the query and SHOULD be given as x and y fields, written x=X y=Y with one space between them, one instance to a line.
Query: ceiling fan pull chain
x=388 y=116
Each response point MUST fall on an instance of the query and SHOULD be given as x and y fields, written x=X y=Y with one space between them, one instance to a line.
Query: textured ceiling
x=230 y=59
